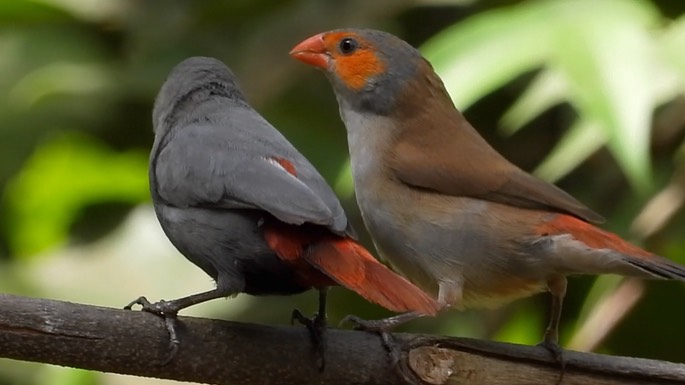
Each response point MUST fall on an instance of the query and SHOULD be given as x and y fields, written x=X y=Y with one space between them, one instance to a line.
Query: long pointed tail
x=658 y=266
x=327 y=259
x=652 y=265
x=352 y=266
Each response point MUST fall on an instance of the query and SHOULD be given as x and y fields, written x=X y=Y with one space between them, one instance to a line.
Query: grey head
x=369 y=69
x=188 y=83
x=213 y=150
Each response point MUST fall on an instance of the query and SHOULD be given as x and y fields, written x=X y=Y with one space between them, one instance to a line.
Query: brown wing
x=454 y=159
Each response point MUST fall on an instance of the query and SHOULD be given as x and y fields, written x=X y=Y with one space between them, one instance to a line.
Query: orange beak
x=312 y=51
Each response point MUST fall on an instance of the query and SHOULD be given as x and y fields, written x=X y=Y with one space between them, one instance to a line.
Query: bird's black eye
x=348 y=45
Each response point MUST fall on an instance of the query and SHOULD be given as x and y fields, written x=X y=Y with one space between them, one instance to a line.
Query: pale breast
x=431 y=238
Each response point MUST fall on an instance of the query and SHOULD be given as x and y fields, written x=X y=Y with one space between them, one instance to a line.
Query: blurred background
x=587 y=94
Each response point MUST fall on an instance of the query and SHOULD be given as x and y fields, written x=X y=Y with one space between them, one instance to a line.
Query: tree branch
x=221 y=352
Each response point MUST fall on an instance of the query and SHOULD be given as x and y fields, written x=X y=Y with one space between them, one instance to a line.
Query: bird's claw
x=299 y=317
x=170 y=322
x=382 y=328
x=317 y=328
x=557 y=353
x=160 y=308
x=167 y=311
x=371 y=326
x=317 y=323
x=142 y=301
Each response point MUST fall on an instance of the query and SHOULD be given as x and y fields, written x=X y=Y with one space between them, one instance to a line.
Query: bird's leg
x=172 y=307
x=557 y=288
x=316 y=327
x=168 y=311
x=449 y=292
x=383 y=324
x=383 y=327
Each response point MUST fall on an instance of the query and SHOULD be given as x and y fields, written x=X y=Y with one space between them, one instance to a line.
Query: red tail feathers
x=348 y=264
x=596 y=238
x=351 y=265
x=590 y=235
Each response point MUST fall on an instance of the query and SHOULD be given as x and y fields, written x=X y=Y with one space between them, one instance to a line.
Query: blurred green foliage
x=609 y=60
x=587 y=93
x=78 y=172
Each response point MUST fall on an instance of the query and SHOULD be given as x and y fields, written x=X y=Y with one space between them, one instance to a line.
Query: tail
x=322 y=259
x=352 y=266
x=595 y=238
x=659 y=267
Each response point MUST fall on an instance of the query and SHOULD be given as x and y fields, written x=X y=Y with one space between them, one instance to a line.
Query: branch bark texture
x=222 y=352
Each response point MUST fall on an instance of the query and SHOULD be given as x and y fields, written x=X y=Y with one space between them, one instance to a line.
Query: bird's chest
x=421 y=246
x=434 y=240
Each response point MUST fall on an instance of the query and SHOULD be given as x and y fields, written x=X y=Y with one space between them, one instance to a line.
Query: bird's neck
x=206 y=95
x=369 y=138
x=373 y=135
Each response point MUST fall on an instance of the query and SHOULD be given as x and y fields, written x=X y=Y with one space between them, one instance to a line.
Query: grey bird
x=240 y=202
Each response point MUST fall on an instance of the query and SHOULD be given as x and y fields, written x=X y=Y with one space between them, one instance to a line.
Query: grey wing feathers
x=311 y=177
x=211 y=165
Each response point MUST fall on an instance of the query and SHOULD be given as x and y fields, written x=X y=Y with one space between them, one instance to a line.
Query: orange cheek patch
x=356 y=70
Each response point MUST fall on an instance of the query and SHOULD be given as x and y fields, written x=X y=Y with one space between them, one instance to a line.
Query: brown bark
x=221 y=352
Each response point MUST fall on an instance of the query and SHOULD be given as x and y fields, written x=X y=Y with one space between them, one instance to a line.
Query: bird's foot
x=167 y=310
x=160 y=308
x=381 y=327
x=317 y=331
x=557 y=353
x=381 y=324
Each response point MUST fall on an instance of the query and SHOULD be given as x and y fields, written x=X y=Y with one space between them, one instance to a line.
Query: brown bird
x=442 y=206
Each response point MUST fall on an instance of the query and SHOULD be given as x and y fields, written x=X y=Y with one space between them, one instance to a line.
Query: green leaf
x=670 y=45
x=598 y=56
x=547 y=89
x=344 y=185
x=29 y=12
x=64 y=175
x=579 y=142
x=481 y=54
x=607 y=60
x=601 y=288
x=91 y=10
x=57 y=375
x=525 y=325
x=59 y=78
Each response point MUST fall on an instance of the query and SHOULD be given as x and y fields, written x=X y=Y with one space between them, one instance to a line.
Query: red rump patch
x=287 y=241
x=290 y=243
x=324 y=259
x=287 y=165
x=592 y=236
